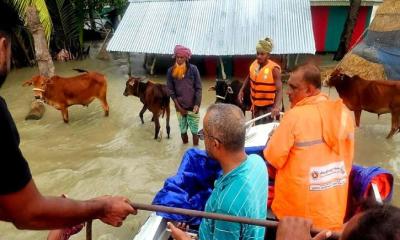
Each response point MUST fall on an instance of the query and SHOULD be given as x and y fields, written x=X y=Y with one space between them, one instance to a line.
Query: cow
x=226 y=91
x=62 y=92
x=375 y=96
x=154 y=97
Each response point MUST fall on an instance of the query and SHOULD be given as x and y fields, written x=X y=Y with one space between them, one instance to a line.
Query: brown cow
x=61 y=92
x=154 y=97
x=375 y=96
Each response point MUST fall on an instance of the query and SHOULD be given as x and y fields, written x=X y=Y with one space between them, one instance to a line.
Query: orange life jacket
x=262 y=83
x=312 y=150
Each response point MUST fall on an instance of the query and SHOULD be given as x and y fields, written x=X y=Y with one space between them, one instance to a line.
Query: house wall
x=328 y=24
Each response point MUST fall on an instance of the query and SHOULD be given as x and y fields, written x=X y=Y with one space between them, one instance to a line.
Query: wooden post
x=129 y=65
x=223 y=74
x=153 y=65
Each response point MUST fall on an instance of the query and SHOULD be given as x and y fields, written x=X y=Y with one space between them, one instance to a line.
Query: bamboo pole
x=250 y=122
x=217 y=216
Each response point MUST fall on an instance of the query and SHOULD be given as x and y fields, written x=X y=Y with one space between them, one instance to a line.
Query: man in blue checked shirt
x=242 y=189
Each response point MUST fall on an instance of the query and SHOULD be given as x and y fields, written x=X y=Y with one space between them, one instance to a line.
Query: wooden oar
x=217 y=216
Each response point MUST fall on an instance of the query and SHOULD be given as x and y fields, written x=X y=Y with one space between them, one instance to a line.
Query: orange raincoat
x=312 y=150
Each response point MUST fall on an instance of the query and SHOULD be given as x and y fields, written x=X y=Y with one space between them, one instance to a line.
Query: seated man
x=242 y=189
x=312 y=150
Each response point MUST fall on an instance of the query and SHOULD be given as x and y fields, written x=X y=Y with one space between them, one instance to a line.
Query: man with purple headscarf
x=184 y=84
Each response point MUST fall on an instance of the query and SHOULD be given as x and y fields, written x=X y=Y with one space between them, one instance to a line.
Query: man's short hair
x=311 y=74
x=226 y=122
x=9 y=19
x=378 y=223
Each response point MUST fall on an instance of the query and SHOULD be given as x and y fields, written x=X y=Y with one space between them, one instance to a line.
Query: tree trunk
x=37 y=111
x=43 y=57
x=348 y=29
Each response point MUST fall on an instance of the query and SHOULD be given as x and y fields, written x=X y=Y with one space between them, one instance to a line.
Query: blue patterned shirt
x=241 y=192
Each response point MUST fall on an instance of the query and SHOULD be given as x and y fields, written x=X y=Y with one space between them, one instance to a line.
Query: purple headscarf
x=182 y=51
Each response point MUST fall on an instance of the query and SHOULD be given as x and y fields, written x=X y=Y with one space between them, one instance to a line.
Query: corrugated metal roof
x=343 y=2
x=215 y=27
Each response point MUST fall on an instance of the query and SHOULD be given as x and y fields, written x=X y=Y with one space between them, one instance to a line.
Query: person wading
x=184 y=84
x=265 y=83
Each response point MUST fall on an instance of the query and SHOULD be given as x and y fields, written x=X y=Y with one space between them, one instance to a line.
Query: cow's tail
x=80 y=70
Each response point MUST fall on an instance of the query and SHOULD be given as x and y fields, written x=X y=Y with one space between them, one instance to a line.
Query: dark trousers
x=258 y=111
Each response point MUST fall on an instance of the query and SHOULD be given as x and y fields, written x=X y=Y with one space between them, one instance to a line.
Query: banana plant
x=44 y=15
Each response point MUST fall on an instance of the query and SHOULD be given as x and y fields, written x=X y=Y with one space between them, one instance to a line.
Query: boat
x=155 y=227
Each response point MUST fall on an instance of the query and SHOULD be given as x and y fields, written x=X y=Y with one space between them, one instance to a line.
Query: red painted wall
x=321 y=23
x=210 y=65
x=319 y=15
x=241 y=66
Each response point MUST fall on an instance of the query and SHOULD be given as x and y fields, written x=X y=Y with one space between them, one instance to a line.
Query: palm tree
x=37 y=17
x=39 y=22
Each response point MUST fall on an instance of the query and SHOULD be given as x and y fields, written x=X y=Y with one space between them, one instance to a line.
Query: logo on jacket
x=327 y=176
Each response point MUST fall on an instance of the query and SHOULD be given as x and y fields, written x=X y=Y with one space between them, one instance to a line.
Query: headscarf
x=264 y=45
x=182 y=51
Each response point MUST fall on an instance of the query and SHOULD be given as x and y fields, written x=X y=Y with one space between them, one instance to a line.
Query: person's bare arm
x=28 y=209
x=290 y=228
x=279 y=92
x=244 y=86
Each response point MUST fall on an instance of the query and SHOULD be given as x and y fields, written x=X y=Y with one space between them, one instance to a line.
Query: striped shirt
x=241 y=192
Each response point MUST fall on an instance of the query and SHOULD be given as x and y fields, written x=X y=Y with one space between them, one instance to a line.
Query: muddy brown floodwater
x=94 y=155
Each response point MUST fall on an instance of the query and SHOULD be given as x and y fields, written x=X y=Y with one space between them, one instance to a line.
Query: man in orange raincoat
x=312 y=151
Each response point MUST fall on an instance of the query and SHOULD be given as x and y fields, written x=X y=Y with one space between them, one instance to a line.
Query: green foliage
x=63 y=22
x=44 y=15
x=68 y=24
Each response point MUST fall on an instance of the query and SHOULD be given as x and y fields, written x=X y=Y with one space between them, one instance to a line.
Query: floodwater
x=94 y=155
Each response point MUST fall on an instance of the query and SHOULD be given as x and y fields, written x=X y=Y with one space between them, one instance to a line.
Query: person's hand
x=177 y=233
x=182 y=111
x=298 y=228
x=275 y=112
x=196 y=109
x=240 y=96
x=115 y=209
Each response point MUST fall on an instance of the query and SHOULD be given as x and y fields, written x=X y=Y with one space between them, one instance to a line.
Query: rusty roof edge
x=343 y=2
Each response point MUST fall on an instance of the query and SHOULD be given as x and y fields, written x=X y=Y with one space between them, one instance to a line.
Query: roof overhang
x=215 y=27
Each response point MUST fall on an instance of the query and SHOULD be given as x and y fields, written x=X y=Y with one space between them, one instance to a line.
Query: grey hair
x=311 y=74
x=227 y=123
